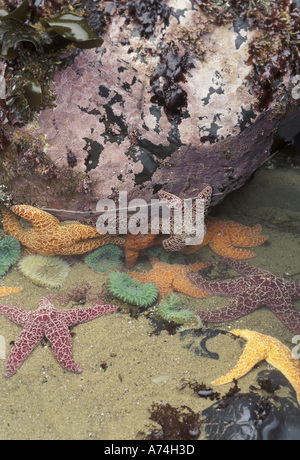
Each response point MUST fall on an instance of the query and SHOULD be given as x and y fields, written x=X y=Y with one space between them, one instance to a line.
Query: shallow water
x=126 y=367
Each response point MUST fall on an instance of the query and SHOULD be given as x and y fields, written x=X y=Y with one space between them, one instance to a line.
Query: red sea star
x=51 y=323
x=256 y=288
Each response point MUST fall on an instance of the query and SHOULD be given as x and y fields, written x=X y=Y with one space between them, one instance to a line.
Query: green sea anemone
x=169 y=310
x=10 y=251
x=46 y=271
x=130 y=290
x=104 y=259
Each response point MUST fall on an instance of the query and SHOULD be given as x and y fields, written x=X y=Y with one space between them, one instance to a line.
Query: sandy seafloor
x=44 y=401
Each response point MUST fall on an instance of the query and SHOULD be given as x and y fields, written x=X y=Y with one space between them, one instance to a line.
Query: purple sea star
x=51 y=323
x=256 y=288
x=176 y=242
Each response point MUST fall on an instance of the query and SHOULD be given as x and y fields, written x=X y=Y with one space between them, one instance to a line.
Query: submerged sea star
x=48 y=237
x=51 y=323
x=224 y=237
x=176 y=242
x=258 y=348
x=171 y=277
x=8 y=290
x=134 y=244
x=257 y=288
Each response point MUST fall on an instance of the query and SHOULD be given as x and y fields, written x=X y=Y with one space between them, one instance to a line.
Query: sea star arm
x=61 y=344
x=286 y=313
x=81 y=232
x=82 y=315
x=247 y=361
x=283 y=360
x=17 y=315
x=172 y=201
x=197 y=266
x=183 y=285
x=40 y=219
x=84 y=246
x=223 y=288
x=244 y=268
x=174 y=243
x=221 y=244
x=131 y=256
x=205 y=195
x=247 y=237
x=140 y=276
x=27 y=341
x=11 y=223
x=240 y=306
x=296 y=290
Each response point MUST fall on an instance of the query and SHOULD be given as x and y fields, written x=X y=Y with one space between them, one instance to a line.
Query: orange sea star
x=48 y=237
x=171 y=277
x=134 y=244
x=8 y=290
x=224 y=237
x=258 y=348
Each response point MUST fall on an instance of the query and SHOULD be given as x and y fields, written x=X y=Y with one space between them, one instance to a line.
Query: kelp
x=75 y=29
x=70 y=27
x=13 y=34
x=31 y=49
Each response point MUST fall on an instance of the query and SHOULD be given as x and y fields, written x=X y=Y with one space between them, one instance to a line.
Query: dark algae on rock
x=176 y=423
x=166 y=79
x=275 y=50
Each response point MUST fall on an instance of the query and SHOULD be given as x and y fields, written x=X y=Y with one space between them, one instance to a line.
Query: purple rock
x=168 y=102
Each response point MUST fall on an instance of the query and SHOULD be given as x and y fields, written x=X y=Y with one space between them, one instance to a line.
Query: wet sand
x=126 y=367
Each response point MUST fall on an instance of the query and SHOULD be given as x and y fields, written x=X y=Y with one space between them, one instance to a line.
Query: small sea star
x=176 y=242
x=51 y=323
x=224 y=237
x=258 y=348
x=48 y=237
x=134 y=244
x=257 y=288
x=8 y=290
x=171 y=277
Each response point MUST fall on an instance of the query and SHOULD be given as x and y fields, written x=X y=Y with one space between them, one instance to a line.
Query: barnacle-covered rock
x=180 y=94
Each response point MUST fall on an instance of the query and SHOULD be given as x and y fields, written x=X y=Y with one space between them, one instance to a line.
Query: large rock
x=170 y=101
